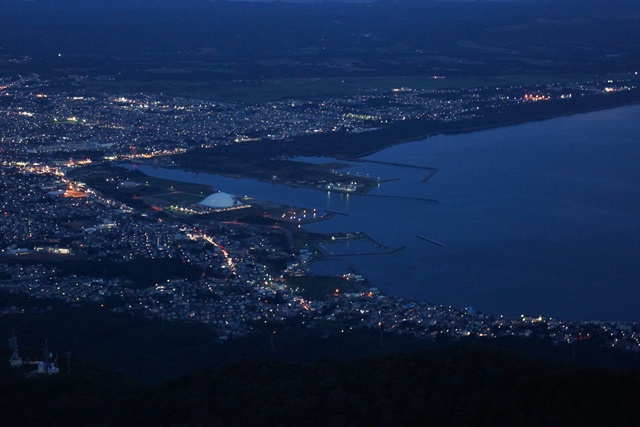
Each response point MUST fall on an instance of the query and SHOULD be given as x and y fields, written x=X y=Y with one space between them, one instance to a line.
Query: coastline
x=573 y=112
x=545 y=117
x=495 y=125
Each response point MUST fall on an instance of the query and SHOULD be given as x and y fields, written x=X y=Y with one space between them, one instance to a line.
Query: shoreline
x=494 y=125
x=545 y=117
x=404 y=140
x=548 y=117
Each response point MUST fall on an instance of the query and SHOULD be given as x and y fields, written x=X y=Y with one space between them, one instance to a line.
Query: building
x=221 y=201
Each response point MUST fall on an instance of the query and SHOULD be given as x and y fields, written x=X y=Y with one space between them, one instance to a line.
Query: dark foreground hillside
x=457 y=386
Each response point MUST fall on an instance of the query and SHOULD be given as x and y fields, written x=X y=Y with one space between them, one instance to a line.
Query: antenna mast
x=15 y=360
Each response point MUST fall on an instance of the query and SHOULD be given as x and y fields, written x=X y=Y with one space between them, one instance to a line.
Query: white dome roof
x=220 y=201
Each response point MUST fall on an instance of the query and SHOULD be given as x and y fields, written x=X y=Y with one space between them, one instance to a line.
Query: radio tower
x=15 y=360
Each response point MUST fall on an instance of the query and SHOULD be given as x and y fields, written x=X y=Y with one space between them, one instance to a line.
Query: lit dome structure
x=220 y=201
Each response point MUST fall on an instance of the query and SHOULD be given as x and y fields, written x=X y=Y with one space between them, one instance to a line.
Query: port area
x=293 y=215
x=341 y=183
x=352 y=244
x=290 y=220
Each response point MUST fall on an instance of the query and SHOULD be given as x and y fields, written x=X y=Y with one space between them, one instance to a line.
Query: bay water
x=535 y=218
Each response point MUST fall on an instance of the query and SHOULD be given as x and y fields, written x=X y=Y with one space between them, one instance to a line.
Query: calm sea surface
x=542 y=217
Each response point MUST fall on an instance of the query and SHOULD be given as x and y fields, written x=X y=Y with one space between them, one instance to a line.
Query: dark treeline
x=457 y=386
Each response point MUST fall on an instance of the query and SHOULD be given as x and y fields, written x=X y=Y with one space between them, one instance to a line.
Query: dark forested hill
x=458 y=386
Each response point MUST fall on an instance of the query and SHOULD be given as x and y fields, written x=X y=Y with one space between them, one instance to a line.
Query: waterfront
x=542 y=217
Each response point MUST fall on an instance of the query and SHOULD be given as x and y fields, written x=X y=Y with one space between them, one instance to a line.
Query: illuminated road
x=230 y=262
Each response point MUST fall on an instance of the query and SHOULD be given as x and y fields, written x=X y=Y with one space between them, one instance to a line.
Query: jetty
x=392 y=251
x=430 y=240
x=431 y=173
